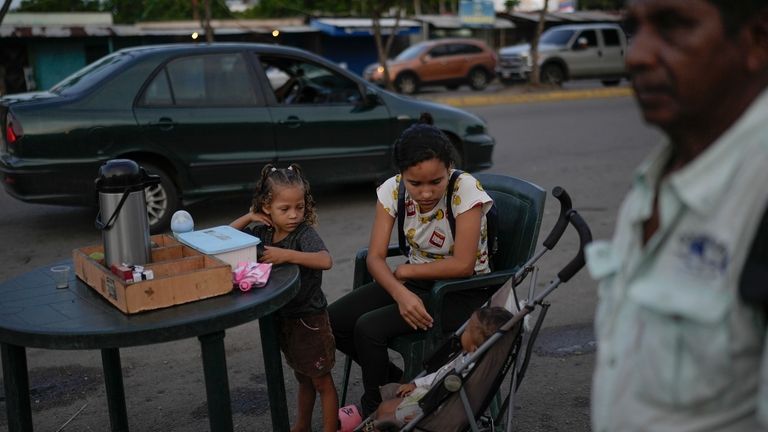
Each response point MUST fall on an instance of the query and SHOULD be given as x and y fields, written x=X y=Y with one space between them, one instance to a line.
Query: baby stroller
x=459 y=400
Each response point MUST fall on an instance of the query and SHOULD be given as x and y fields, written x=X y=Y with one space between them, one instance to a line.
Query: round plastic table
x=35 y=314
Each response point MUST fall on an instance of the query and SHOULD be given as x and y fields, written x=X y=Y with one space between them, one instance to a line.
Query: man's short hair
x=736 y=13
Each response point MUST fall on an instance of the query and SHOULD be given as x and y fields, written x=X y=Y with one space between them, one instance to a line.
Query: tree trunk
x=535 y=77
x=383 y=48
x=417 y=7
x=196 y=11
x=4 y=10
x=208 y=27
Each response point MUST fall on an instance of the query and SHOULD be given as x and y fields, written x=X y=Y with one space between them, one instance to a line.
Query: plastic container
x=224 y=242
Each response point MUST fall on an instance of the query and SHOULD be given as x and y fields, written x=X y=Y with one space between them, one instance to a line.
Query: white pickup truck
x=579 y=51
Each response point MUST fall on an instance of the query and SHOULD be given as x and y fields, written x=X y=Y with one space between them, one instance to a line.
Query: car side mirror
x=370 y=98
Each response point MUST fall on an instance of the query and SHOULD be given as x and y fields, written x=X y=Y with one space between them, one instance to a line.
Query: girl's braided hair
x=272 y=176
x=422 y=141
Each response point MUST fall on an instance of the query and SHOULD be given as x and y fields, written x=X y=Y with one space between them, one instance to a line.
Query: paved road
x=587 y=146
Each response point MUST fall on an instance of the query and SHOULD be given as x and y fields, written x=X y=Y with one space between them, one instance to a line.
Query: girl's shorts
x=308 y=344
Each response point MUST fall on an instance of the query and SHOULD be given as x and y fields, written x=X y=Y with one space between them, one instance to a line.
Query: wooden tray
x=182 y=275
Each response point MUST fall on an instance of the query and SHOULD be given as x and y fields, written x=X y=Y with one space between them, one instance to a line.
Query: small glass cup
x=61 y=276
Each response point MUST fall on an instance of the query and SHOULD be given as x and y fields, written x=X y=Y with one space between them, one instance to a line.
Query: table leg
x=113 y=381
x=273 y=368
x=16 y=381
x=216 y=382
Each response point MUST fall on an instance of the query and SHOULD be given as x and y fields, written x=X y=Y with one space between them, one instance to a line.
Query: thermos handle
x=101 y=226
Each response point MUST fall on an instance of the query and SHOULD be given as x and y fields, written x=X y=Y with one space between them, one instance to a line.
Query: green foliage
x=510 y=5
x=600 y=4
x=128 y=11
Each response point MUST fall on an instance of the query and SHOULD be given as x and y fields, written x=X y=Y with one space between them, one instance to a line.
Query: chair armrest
x=361 y=275
x=445 y=287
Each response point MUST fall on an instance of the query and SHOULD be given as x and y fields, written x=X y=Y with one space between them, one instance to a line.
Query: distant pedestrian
x=682 y=313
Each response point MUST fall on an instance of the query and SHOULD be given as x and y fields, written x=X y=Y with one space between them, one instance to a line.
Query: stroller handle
x=562 y=220
x=585 y=237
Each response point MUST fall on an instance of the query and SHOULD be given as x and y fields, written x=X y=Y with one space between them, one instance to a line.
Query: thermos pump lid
x=117 y=175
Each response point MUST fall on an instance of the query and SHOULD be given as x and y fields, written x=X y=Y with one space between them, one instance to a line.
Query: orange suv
x=448 y=62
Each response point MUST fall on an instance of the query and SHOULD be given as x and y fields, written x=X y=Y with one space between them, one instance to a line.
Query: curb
x=546 y=96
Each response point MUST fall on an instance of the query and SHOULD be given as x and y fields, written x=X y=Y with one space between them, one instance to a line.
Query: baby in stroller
x=398 y=410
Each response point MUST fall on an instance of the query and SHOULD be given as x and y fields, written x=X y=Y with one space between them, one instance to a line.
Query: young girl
x=364 y=320
x=283 y=210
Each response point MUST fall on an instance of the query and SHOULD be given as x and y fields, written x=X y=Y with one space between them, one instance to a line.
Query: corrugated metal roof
x=564 y=17
x=58 y=18
x=454 y=22
x=357 y=27
x=160 y=28
x=64 y=31
x=367 y=22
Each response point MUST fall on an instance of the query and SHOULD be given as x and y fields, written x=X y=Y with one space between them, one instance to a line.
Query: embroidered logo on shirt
x=437 y=239
x=410 y=208
x=703 y=255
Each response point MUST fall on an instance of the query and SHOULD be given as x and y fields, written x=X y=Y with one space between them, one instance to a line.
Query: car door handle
x=165 y=123
x=292 y=122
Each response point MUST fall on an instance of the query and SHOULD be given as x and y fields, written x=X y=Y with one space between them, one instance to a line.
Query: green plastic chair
x=521 y=206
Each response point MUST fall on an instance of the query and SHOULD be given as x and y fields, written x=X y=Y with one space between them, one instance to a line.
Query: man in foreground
x=681 y=320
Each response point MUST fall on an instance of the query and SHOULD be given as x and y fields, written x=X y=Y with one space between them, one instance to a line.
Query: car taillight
x=13 y=129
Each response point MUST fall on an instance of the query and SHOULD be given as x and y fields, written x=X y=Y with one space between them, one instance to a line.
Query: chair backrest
x=520 y=204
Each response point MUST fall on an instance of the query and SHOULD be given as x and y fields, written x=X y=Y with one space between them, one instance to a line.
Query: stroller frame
x=454 y=382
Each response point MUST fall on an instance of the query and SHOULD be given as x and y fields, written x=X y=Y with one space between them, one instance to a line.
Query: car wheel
x=552 y=74
x=478 y=79
x=407 y=83
x=611 y=82
x=162 y=200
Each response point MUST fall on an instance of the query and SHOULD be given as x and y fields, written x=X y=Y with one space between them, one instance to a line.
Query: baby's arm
x=244 y=220
x=320 y=260
x=405 y=389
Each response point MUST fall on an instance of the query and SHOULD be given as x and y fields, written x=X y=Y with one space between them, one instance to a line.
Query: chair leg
x=345 y=385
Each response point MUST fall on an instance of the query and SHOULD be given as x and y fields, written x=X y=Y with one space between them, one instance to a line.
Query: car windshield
x=410 y=53
x=556 y=37
x=90 y=74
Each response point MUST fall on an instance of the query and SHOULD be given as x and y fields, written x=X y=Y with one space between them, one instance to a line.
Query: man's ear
x=755 y=36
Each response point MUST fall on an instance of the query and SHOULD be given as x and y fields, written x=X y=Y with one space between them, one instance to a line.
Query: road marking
x=548 y=96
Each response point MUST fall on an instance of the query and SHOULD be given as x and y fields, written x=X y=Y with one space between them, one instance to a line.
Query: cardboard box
x=224 y=242
x=181 y=275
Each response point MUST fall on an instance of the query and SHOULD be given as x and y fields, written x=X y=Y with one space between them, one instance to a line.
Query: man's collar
x=703 y=181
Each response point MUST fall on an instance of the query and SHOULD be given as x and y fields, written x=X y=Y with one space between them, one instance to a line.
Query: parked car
x=569 y=52
x=448 y=62
x=206 y=118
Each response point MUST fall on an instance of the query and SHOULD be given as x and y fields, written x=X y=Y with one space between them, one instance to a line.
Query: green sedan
x=206 y=118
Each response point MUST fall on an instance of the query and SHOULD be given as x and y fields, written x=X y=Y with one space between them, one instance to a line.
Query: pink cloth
x=251 y=274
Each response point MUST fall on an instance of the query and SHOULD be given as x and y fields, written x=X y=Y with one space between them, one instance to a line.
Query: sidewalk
x=523 y=94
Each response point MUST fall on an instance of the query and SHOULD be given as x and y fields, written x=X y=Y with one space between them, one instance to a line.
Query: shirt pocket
x=603 y=265
x=682 y=346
